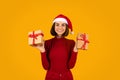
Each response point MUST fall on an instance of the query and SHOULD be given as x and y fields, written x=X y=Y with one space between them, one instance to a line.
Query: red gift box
x=82 y=41
x=35 y=37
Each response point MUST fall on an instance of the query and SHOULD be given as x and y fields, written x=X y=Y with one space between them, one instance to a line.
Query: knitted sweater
x=59 y=56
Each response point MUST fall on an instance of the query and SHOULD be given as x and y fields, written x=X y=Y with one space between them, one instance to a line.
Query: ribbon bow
x=85 y=41
x=34 y=36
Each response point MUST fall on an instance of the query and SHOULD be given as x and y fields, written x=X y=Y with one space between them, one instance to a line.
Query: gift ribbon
x=85 y=41
x=34 y=36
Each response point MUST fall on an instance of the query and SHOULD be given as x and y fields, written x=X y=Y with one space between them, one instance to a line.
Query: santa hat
x=65 y=19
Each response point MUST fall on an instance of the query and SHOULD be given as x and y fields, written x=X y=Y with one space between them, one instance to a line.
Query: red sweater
x=59 y=56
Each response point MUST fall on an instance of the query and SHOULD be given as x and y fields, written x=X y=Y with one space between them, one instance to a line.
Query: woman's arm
x=45 y=61
x=73 y=56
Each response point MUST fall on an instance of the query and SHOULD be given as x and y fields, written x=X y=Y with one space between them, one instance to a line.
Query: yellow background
x=99 y=18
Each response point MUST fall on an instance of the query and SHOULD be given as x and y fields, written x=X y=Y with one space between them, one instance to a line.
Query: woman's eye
x=57 y=24
x=63 y=25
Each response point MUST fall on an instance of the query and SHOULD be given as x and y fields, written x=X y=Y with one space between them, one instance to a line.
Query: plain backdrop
x=98 y=18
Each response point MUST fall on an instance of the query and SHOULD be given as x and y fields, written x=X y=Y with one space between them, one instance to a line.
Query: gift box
x=35 y=37
x=82 y=41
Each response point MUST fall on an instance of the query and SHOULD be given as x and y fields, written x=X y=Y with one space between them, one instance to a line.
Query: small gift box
x=35 y=37
x=82 y=41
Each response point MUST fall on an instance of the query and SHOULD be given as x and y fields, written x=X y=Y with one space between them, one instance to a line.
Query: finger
x=41 y=44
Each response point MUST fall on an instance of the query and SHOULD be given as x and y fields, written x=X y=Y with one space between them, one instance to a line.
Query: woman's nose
x=60 y=26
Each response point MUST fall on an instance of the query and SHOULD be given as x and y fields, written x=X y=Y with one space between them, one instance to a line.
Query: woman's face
x=60 y=28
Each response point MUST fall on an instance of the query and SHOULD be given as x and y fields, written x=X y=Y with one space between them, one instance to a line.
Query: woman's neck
x=59 y=36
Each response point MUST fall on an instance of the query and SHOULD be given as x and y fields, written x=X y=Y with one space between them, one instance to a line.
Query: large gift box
x=82 y=41
x=35 y=37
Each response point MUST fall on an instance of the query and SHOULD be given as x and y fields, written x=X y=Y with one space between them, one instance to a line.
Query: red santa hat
x=65 y=19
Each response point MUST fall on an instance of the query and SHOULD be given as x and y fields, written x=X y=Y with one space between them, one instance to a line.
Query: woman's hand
x=76 y=43
x=40 y=47
x=75 y=49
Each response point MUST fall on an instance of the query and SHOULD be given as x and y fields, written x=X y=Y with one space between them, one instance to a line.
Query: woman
x=59 y=54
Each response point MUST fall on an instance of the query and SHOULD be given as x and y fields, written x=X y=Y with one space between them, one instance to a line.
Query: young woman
x=59 y=54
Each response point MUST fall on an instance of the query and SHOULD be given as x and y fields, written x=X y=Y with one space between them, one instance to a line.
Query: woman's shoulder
x=49 y=40
x=70 y=40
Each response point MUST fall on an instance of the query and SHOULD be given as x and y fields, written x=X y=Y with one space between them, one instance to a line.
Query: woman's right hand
x=40 y=47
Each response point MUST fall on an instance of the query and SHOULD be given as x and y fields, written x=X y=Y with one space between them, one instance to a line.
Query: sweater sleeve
x=44 y=58
x=73 y=57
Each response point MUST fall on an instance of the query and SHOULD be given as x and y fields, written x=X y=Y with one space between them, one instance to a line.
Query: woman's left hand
x=75 y=49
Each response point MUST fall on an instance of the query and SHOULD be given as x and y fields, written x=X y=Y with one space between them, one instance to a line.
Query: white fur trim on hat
x=60 y=19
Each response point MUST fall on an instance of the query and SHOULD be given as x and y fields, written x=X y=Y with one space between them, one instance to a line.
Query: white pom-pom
x=71 y=32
